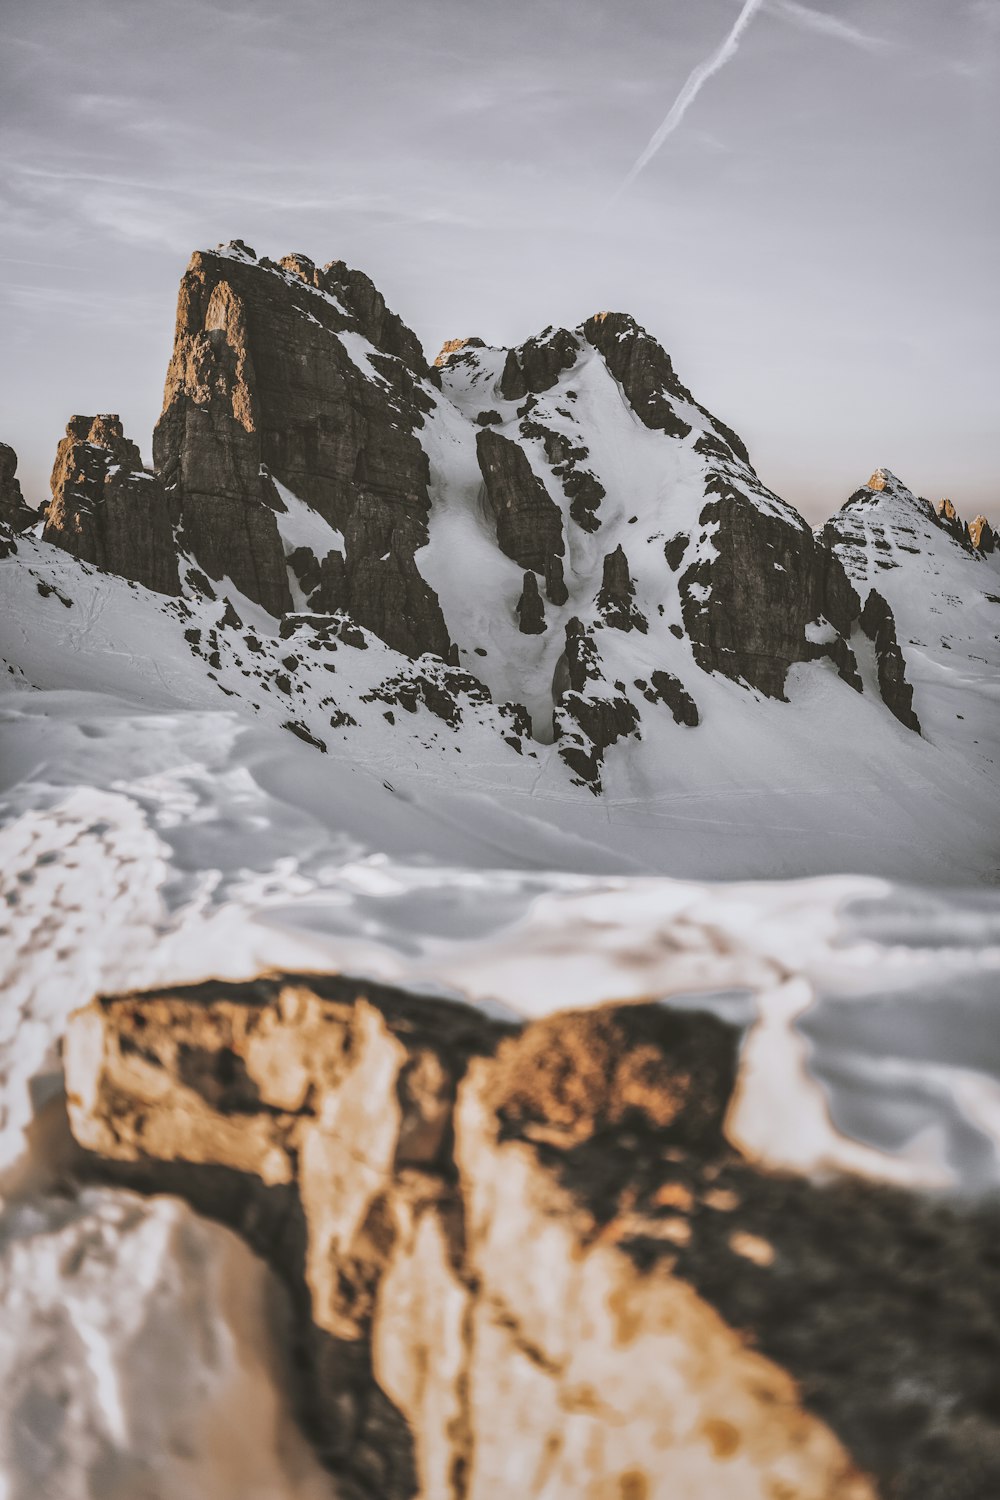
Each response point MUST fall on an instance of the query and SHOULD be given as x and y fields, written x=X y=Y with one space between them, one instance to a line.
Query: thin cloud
x=824 y=24
x=696 y=81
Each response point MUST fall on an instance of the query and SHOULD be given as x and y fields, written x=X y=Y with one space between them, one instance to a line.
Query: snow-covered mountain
x=421 y=678
x=549 y=561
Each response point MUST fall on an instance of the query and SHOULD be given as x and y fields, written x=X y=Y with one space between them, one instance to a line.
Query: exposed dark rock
x=839 y=651
x=260 y=386
x=587 y=721
x=642 y=368
x=582 y=488
x=646 y=374
x=107 y=510
x=443 y=689
x=322 y=580
x=879 y=625
x=616 y=597
x=674 y=550
x=528 y=521
x=555 y=583
x=537 y=365
x=489 y=419
x=664 y=687
x=530 y=608
x=747 y=601
x=15 y=511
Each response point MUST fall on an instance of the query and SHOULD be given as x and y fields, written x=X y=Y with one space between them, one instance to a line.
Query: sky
x=815 y=242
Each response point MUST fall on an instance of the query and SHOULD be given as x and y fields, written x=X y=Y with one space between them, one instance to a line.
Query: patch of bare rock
x=525 y=1261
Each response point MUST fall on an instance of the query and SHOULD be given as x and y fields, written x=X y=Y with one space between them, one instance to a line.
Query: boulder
x=525 y=1259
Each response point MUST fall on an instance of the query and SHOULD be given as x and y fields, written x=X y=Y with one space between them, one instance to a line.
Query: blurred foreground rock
x=525 y=1262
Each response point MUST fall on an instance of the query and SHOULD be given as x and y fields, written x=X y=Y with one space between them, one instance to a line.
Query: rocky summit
x=562 y=523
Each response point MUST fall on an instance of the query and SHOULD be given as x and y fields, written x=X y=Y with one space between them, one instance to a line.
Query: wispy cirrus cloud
x=824 y=24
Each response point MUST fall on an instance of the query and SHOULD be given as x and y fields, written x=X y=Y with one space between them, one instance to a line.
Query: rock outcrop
x=302 y=375
x=616 y=599
x=590 y=714
x=982 y=535
x=525 y=1260
x=879 y=626
x=528 y=521
x=536 y=365
x=749 y=597
x=530 y=607
x=15 y=511
x=106 y=509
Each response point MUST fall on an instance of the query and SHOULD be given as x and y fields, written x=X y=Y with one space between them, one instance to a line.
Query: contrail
x=692 y=88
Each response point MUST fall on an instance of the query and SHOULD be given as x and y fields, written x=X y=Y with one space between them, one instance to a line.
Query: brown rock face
x=982 y=536
x=525 y=1261
x=107 y=510
x=455 y=346
x=949 y=518
x=15 y=512
x=878 y=623
x=529 y=522
x=260 y=385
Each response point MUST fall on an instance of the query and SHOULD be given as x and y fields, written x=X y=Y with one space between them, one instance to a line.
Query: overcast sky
x=816 y=244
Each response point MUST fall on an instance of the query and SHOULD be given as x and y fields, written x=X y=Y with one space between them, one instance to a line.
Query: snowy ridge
x=946 y=603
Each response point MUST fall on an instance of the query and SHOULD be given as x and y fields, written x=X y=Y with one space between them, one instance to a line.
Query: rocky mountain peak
x=106 y=509
x=15 y=511
x=452 y=347
x=105 y=431
x=982 y=535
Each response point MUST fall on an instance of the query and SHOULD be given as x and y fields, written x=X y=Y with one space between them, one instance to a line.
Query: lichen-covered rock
x=879 y=625
x=529 y=522
x=107 y=510
x=524 y=1259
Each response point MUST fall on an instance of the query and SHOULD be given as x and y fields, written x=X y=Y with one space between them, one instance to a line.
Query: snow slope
x=946 y=602
x=826 y=782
